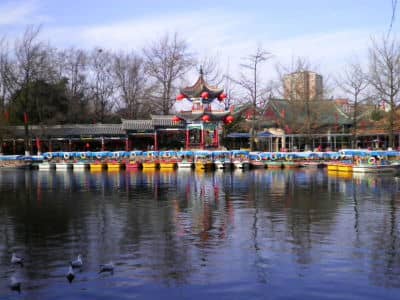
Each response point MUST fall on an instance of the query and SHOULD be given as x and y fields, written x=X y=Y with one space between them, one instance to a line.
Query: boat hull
x=168 y=165
x=96 y=166
x=80 y=166
x=150 y=165
x=274 y=165
x=185 y=165
x=377 y=169
x=257 y=164
x=204 y=165
x=63 y=166
x=114 y=166
x=133 y=165
x=45 y=166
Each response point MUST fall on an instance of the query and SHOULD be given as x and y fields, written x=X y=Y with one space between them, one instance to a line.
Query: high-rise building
x=304 y=85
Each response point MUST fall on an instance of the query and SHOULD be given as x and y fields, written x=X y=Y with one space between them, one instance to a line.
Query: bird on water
x=17 y=260
x=107 y=268
x=70 y=274
x=15 y=283
x=77 y=263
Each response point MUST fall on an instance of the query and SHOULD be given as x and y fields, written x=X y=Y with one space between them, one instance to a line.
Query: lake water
x=255 y=234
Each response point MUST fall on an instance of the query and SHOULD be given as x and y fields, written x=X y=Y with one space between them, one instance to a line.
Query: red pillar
x=187 y=139
x=127 y=144
x=216 y=137
x=202 y=138
x=155 y=141
x=50 y=146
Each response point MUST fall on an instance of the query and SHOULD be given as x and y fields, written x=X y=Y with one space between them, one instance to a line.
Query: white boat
x=45 y=166
x=62 y=166
x=80 y=166
x=240 y=159
x=222 y=159
x=378 y=169
x=185 y=164
x=185 y=159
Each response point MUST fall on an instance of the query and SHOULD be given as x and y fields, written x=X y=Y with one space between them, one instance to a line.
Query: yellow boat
x=114 y=166
x=168 y=164
x=332 y=167
x=150 y=165
x=345 y=168
x=204 y=165
x=96 y=166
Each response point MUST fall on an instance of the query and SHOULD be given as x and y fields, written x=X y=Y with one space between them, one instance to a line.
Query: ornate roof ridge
x=201 y=86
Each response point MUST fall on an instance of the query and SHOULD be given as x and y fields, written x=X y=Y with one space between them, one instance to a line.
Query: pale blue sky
x=327 y=32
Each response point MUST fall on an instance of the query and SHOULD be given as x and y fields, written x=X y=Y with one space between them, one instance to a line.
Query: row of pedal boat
x=342 y=161
x=206 y=160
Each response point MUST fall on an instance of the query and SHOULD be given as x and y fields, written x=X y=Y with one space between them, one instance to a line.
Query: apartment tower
x=304 y=85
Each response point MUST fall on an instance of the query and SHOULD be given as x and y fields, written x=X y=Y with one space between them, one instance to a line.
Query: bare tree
x=249 y=80
x=73 y=65
x=354 y=82
x=4 y=74
x=166 y=61
x=211 y=70
x=131 y=84
x=102 y=84
x=31 y=64
x=384 y=76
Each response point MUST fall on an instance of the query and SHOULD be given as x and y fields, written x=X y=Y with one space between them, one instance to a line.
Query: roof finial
x=201 y=70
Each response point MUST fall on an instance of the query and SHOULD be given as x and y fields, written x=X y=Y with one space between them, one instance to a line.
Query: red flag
x=26 y=118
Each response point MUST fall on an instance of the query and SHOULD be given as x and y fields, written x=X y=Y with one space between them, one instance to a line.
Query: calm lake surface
x=255 y=234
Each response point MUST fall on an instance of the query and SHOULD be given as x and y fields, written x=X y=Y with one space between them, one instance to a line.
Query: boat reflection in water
x=230 y=234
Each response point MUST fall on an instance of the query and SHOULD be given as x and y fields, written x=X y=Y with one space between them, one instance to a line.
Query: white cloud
x=229 y=36
x=137 y=33
x=20 y=12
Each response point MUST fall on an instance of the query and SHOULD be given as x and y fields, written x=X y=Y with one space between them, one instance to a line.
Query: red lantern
x=222 y=97
x=229 y=119
x=180 y=97
x=87 y=145
x=204 y=95
x=206 y=118
x=176 y=119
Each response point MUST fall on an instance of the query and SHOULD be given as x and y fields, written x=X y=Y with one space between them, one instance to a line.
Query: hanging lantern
x=222 y=97
x=87 y=145
x=206 y=118
x=204 y=95
x=176 y=119
x=180 y=97
x=229 y=119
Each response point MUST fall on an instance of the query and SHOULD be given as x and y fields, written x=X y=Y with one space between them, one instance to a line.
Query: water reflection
x=234 y=232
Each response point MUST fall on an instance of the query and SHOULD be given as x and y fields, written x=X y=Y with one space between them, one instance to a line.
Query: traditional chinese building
x=203 y=121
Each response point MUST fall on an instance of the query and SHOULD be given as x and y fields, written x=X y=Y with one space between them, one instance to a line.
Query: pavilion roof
x=199 y=87
x=196 y=116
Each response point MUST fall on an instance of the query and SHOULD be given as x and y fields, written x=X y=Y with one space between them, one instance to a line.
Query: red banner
x=26 y=118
